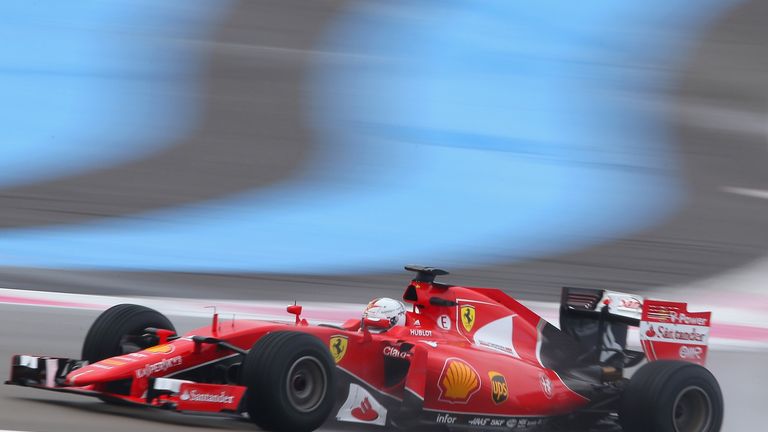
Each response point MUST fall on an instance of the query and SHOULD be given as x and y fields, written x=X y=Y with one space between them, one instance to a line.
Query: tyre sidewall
x=649 y=402
x=265 y=373
x=105 y=335
x=672 y=388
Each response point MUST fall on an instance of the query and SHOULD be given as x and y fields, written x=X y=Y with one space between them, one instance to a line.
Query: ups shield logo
x=467 y=317
x=499 y=389
x=338 y=346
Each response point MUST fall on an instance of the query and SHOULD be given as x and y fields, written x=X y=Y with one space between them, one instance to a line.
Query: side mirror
x=295 y=309
x=163 y=335
x=367 y=323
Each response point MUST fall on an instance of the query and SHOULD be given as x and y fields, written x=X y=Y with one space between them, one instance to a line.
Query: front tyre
x=291 y=381
x=119 y=329
x=672 y=396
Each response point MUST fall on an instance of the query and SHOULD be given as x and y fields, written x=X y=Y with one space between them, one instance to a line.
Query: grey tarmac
x=60 y=332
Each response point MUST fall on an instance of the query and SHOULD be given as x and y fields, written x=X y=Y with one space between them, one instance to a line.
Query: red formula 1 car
x=466 y=358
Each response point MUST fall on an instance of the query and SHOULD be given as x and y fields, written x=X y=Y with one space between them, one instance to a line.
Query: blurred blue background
x=466 y=134
x=279 y=150
x=92 y=83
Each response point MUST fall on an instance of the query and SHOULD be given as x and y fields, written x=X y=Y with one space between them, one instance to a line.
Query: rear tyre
x=118 y=331
x=291 y=381
x=672 y=396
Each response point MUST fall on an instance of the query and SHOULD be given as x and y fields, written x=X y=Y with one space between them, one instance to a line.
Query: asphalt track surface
x=60 y=332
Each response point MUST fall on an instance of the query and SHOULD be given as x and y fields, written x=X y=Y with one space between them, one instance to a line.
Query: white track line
x=754 y=193
x=731 y=321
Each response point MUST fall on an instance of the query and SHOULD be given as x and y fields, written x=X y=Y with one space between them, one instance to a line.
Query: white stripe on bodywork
x=28 y=361
x=169 y=384
x=498 y=336
x=51 y=368
x=540 y=339
x=356 y=397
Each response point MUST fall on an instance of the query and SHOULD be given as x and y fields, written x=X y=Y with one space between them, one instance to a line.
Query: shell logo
x=458 y=382
x=160 y=349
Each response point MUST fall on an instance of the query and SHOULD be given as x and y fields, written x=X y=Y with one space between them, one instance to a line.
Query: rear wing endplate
x=669 y=331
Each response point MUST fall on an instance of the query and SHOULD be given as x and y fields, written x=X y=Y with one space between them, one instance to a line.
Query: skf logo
x=160 y=349
x=499 y=389
x=458 y=381
x=338 y=347
x=467 y=317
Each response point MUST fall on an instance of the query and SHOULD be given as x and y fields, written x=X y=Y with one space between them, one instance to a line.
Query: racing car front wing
x=49 y=373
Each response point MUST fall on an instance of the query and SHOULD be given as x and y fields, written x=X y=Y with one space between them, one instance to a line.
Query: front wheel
x=291 y=382
x=672 y=396
x=118 y=331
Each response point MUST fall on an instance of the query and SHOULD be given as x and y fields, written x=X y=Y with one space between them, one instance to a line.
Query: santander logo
x=365 y=411
x=651 y=332
x=195 y=396
x=362 y=407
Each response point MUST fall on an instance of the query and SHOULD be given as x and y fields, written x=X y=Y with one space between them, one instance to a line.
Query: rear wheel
x=672 y=396
x=291 y=381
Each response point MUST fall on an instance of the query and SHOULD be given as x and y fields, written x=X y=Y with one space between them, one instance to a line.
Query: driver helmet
x=387 y=309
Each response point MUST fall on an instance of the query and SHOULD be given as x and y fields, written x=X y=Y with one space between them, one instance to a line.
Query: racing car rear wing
x=669 y=331
x=599 y=320
x=613 y=306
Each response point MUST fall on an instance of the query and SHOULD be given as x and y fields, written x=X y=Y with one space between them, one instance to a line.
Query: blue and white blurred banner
x=89 y=84
x=462 y=133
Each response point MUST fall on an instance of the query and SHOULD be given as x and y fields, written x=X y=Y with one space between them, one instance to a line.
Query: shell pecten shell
x=458 y=381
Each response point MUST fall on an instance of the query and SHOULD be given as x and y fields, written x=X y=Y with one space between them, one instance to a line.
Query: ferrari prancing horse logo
x=338 y=347
x=467 y=317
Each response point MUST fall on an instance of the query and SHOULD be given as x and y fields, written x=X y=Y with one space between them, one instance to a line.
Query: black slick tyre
x=116 y=331
x=291 y=382
x=672 y=396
